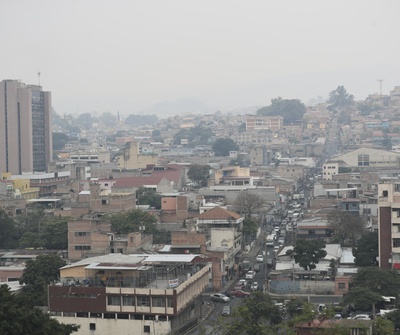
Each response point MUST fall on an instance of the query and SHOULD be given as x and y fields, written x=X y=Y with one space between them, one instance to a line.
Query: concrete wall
x=288 y=286
x=117 y=326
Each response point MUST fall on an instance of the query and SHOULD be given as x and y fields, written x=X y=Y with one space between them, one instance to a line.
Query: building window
x=341 y=286
x=146 y=329
x=92 y=326
x=363 y=160
x=82 y=247
x=143 y=300
x=169 y=302
x=396 y=243
x=13 y=279
x=128 y=300
x=81 y=233
x=158 y=302
x=114 y=300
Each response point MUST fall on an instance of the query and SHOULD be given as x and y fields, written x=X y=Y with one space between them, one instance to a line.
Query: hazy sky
x=115 y=55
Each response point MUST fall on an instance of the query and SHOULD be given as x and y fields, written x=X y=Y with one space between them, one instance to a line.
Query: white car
x=260 y=258
x=254 y=286
x=361 y=317
x=250 y=275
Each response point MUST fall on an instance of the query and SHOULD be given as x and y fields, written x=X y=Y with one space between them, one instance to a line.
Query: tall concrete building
x=25 y=128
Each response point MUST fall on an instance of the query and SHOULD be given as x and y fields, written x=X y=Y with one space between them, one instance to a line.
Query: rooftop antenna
x=380 y=81
x=38 y=77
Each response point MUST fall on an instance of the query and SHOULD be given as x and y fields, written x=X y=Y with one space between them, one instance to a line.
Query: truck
x=246 y=266
x=270 y=240
x=270 y=258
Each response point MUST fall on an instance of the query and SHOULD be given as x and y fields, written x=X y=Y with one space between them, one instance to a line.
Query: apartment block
x=259 y=122
x=130 y=294
x=389 y=224
x=25 y=128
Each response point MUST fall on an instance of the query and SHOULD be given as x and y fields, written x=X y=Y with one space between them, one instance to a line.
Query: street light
x=142 y=229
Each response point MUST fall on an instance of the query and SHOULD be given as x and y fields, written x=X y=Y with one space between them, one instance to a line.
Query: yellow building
x=131 y=158
x=21 y=187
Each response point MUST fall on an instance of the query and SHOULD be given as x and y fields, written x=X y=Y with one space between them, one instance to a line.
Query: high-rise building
x=25 y=128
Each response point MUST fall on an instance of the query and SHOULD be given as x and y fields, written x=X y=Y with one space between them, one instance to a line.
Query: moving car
x=260 y=258
x=226 y=310
x=254 y=286
x=240 y=284
x=256 y=268
x=219 y=297
x=240 y=293
x=250 y=274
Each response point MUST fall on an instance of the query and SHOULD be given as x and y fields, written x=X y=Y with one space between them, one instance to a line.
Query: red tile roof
x=218 y=213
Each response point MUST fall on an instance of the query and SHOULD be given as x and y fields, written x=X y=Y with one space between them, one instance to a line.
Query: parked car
x=361 y=317
x=240 y=293
x=260 y=258
x=219 y=297
x=250 y=274
x=226 y=310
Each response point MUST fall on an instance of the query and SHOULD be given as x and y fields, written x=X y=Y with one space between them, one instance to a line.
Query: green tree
x=242 y=128
x=39 y=231
x=8 y=232
x=307 y=253
x=339 y=98
x=108 y=119
x=249 y=226
x=384 y=282
x=369 y=285
x=248 y=203
x=85 y=120
x=130 y=221
x=199 y=174
x=258 y=314
x=291 y=110
x=198 y=135
x=223 y=146
x=146 y=196
x=38 y=274
x=366 y=250
x=18 y=316
x=383 y=326
x=387 y=142
x=394 y=316
x=59 y=141
x=54 y=233
x=362 y=298
x=155 y=133
x=134 y=120
x=346 y=226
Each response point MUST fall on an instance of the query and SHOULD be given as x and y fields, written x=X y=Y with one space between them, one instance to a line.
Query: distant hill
x=172 y=108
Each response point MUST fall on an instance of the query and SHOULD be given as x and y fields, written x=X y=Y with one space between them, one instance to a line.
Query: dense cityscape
x=279 y=220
